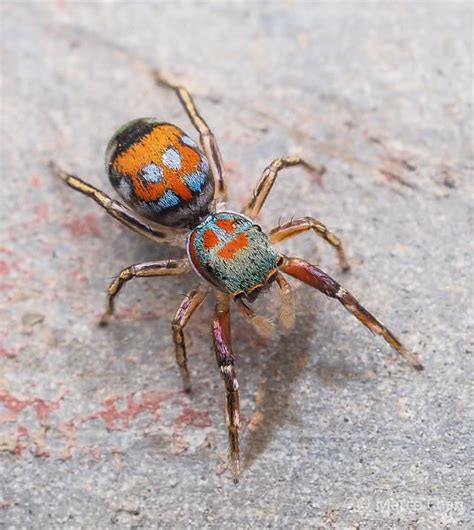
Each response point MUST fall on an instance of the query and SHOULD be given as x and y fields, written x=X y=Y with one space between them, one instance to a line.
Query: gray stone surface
x=339 y=432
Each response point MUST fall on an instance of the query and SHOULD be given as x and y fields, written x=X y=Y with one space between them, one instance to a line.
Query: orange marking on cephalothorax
x=226 y=224
x=210 y=239
x=149 y=149
x=239 y=243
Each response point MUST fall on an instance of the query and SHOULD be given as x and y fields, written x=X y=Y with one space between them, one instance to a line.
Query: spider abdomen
x=231 y=252
x=160 y=172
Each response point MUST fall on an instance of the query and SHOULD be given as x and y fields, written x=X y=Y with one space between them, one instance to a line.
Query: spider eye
x=280 y=261
x=258 y=227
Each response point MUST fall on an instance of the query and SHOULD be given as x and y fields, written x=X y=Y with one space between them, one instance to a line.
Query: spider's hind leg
x=114 y=208
x=206 y=136
x=314 y=276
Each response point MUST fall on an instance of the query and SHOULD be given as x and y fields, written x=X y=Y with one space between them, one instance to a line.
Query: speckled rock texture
x=338 y=432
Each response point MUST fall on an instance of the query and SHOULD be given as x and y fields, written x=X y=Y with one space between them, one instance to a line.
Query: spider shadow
x=275 y=401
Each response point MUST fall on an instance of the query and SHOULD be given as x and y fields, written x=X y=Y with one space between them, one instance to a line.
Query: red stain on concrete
x=44 y=438
x=42 y=211
x=118 y=411
x=88 y=225
x=196 y=418
x=20 y=445
x=4 y=268
x=92 y=451
x=24 y=437
x=68 y=431
x=44 y=408
x=36 y=181
x=14 y=407
x=4 y=352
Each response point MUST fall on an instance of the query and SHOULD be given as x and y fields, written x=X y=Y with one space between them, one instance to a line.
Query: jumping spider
x=179 y=187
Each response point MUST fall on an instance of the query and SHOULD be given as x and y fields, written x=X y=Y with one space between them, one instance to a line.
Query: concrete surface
x=339 y=432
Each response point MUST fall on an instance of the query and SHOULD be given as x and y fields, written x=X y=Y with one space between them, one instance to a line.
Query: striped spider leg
x=225 y=360
x=169 y=267
x=266 y=181
x=191 y=302
x=116 y=209
x=317 y=278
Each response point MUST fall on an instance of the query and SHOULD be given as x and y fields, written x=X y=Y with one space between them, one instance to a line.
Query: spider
x=176 y=193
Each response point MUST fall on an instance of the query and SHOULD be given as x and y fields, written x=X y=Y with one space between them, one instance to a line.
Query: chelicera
x=175 y=192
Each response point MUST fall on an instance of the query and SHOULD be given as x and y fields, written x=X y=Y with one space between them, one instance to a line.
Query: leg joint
x=176 y=325
x=126 y=274
x=230 y=378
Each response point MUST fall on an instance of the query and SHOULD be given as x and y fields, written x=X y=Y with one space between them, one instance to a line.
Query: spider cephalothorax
x=167 y=179
x=231 y=252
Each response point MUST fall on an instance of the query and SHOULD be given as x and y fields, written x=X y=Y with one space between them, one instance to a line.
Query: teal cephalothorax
x=159 y=171
x=231 y=252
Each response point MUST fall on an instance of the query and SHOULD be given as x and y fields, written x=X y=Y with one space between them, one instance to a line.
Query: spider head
x=232 y=253
x=253 y=293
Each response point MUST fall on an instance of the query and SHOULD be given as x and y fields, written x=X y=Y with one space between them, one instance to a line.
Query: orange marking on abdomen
x=175 y=184
x=239 y=243
x=226 y=224
x=150 y=149
x=210 y=239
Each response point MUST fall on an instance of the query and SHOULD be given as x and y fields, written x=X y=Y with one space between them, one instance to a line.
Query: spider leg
x=114 y=208
x=314 y=276
x=169 y=267
x=206 y=136
x=225 y=360
x=266 y=181
x=185 y=311
x=303 y=224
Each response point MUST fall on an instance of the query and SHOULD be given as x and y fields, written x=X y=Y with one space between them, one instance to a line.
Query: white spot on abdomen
x=172 y=159
x=152 y=173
